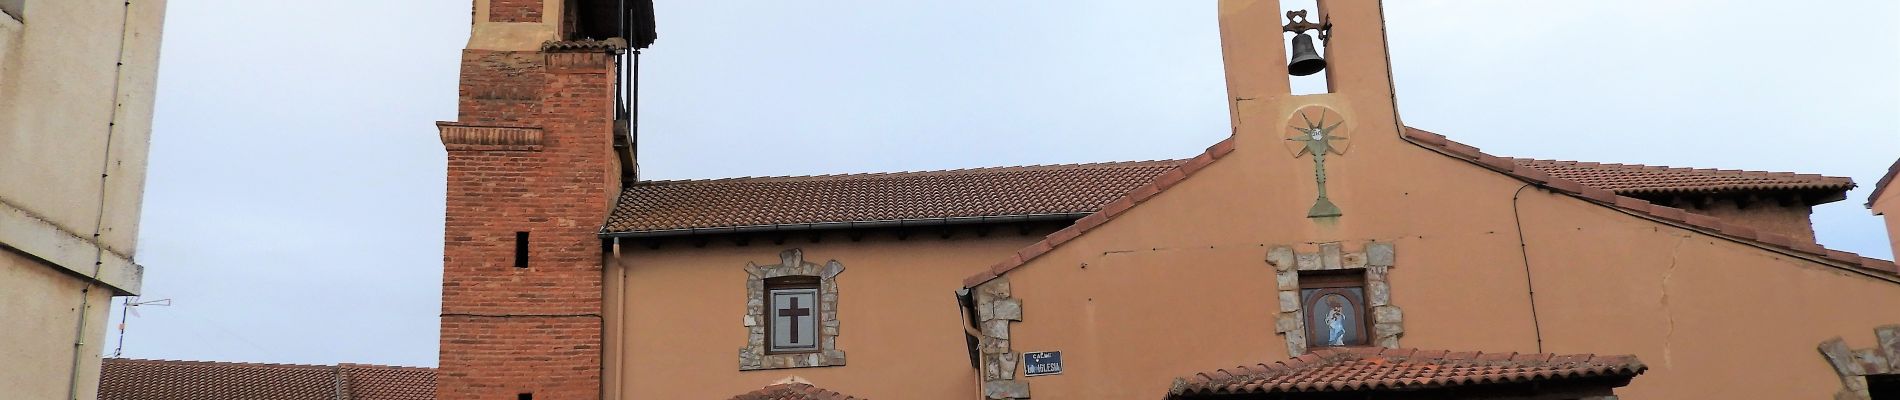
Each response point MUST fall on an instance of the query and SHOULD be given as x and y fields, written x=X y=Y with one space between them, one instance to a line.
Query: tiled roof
x=1374 y=369
x=1063 y=191
x=793 y=391
x=128 y=379
x=1508 y=166
x=1632 y=179
x=1634 y=206
x=968 y=194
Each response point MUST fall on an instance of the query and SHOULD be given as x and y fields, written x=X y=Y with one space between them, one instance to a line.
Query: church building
x=1324 y=250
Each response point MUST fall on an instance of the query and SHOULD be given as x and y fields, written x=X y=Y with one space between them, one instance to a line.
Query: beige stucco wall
x=1180 y=284
x=40 y=308
x=68 y=114
x=900 y=327
x=1888 y=206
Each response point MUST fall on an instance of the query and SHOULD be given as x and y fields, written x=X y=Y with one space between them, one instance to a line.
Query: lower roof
x=130 y=379
x=1376 y=369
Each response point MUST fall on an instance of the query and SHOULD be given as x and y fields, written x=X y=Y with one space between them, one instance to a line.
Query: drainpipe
x=98 y=224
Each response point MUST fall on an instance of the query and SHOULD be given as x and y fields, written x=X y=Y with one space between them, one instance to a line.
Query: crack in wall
x=1669 y=336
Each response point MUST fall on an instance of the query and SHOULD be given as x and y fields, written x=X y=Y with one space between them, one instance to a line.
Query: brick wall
x=514 y=11
x=509 y=330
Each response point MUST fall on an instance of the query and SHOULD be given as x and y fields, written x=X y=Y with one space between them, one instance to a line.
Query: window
x=1335 y=312
x=521 y=249
x=791 y=314
x=792 y=302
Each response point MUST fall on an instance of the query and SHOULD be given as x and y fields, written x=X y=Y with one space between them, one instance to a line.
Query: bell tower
x=540 y=146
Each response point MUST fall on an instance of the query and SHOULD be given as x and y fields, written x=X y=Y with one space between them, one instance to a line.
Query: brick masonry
x=507 y=330
x=514 y=11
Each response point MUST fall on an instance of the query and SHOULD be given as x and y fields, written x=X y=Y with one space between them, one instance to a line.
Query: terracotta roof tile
x=1072 y=190
x=1075 y=189
x=1693 y=179
x=1373 y=369
x=1634 y=179
x=128 y=379
x=793 y=391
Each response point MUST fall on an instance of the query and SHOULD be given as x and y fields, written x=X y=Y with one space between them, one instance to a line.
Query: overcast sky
x=294 y=205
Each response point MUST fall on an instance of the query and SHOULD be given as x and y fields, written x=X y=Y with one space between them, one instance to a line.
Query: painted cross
x=1311 y=135
x=795 y=314
x=793 y=311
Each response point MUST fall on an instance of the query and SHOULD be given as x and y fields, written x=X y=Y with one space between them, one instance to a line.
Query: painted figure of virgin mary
x=1335 y=325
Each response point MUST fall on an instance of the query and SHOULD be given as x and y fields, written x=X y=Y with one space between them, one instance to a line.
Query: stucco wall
x=68 y=115
x=899 y=322
x=40 y=308
x=61 y=126
x=1888 y=206
x=1180 y=284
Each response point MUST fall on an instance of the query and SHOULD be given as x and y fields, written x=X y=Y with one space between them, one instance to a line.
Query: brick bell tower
x=541 y=144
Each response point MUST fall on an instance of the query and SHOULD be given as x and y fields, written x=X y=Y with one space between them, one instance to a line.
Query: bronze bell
x=1306 y=59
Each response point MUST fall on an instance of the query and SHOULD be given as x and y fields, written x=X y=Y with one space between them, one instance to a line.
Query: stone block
x=1379 y=254
x=1006 y=309
x=998 y=288
x=1378 y=293
x=832 y=269
x=1289 y=300
x=1282 y=258
x=1006 y=364
x=753 y=270
x=1889 y=343
x=1287 y=322
x=996 y=328
x=751 y=320
x=1296 y=342
x=1329 y=255
x=1871 y=361
x=1287 y=280
x=1006 y=390
x=1352 y=260
x=1840 y=357
x=1307 y=261
x=1387 y=313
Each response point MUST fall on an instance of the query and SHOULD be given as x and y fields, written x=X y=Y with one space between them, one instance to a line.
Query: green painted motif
x=1318 y=139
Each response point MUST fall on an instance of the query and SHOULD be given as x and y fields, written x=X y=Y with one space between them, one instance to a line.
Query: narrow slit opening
x=521 y=261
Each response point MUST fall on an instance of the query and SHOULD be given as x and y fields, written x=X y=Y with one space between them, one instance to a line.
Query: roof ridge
x=1651 y=167
x=862 y=175
x=203 y=362
x=1697 y=222
x=382 y=366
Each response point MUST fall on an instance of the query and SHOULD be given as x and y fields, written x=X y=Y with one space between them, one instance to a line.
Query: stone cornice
x=28 y=234
x=584 y=46
x=464 y=137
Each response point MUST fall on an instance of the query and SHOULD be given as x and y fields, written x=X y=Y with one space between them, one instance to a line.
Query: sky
x=293 y=209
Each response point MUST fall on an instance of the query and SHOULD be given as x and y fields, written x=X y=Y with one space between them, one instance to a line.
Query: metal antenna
x=131 y=309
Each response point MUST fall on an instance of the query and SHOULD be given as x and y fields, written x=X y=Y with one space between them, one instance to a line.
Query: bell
x=1306 y=59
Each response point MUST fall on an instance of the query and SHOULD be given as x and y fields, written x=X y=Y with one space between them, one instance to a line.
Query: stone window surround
x=1853 y=366
x=1376 y=260
x=791 y=263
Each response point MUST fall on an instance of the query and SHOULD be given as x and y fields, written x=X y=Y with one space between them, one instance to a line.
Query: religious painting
x=1334 y=309
x=792 y=307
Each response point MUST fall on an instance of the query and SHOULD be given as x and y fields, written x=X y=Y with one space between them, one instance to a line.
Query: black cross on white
x=793 y=311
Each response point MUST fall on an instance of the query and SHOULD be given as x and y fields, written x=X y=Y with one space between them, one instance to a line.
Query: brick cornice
x=464 y=137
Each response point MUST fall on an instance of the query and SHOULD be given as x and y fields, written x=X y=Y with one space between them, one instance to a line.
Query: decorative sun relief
x=1318 y=130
